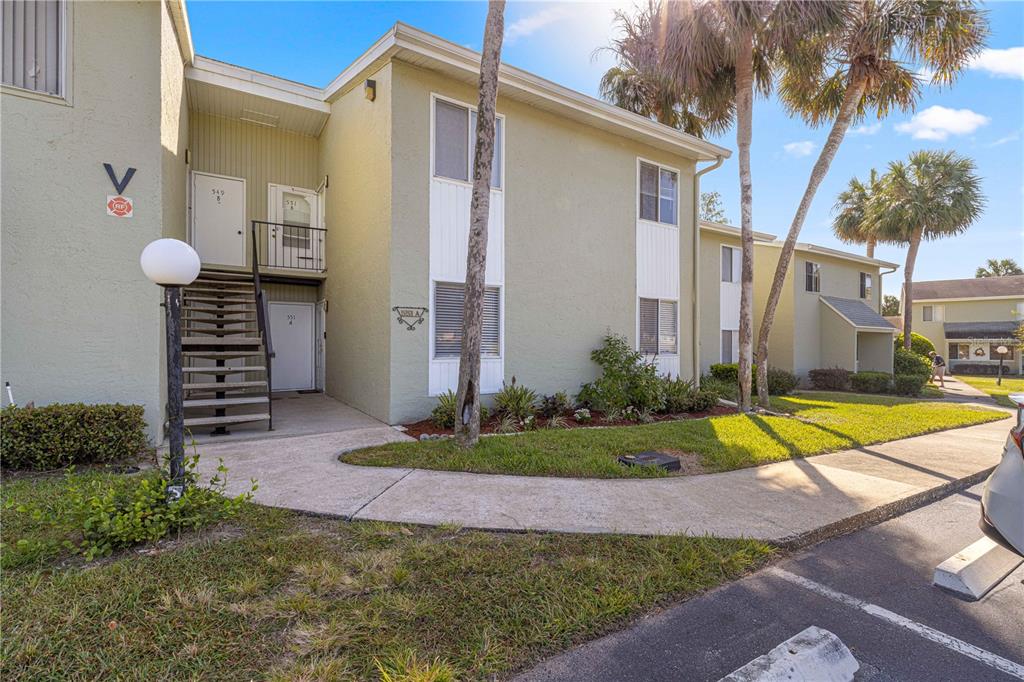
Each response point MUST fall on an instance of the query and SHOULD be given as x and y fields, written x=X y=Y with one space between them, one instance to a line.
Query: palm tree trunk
x=854 y=93
x=467 y=421
x=744 y=125
x=908 y=285
x=871 y=247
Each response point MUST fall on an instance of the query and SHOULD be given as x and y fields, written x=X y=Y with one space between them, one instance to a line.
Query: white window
x=455 y=142
x=659 y=194
x=729 y=271
x=812 y=277
x=927 y=313
x=448 y=303
x=659 y=327
x=730 y=340
x=34 y=45
x=865 y=286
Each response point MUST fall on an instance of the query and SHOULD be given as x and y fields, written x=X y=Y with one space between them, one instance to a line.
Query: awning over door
x=980 y=330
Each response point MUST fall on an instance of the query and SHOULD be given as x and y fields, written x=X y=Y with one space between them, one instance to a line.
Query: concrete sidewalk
x=793 y=502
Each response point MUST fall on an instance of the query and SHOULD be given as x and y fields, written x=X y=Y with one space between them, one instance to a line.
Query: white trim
x=930 y=301
x=434 y=97
x=835 y=253
x=219 y=74
x=729 y=230
x=660 y=167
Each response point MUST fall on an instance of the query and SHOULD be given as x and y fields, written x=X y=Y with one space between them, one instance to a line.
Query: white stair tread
x=225 y=402
x=228 y=419
x=214 y=331
x=223 y=353
x=222 y=370
x=216 y=386
x=205 y=341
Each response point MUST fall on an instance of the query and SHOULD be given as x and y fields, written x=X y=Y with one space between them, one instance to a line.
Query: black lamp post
x=173 y=264
x=1002 y=354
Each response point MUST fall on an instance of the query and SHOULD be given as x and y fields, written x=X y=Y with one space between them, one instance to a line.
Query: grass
x=827 y=422
x=988 y=385
x=277 y=595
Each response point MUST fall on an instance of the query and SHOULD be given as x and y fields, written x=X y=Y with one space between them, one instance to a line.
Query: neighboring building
x=968 y=319
x=354 y=200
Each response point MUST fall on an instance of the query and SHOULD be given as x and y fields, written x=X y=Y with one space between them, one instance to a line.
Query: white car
x=1002 y=504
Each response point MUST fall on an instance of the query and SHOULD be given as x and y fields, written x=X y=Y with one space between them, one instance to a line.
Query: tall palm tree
x=850 y=224
x=715 y=43
x=640 y=83
x=999 y=268
x=862 y=66
x=935 y=194
x=467 y=415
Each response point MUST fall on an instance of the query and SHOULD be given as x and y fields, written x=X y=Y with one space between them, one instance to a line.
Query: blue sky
x=982 y=116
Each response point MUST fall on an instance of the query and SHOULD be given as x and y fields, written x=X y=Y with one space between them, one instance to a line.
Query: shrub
x=830 y=379
x=515 y=400
x=908 y=362
x=781 y=382
x=728 y=390
x=108 y=513
x=682 y=396
x=582 y=415
x=443 y=414
x=627 y=380
x=870 y=382
x=726 y=371
x=909 y=384
x=918 y=344
x=704 y=399
x=59 y=435
x=554 y=405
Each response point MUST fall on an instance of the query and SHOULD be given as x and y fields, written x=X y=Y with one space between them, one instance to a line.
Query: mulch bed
x=426 y=426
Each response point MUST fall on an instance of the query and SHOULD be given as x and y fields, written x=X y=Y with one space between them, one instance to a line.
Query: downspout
x=695 y=303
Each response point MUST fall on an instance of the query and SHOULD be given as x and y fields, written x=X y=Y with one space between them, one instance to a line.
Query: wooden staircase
x=226 y=351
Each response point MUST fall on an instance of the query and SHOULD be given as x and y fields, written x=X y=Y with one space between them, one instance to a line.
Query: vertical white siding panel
x=657 y=264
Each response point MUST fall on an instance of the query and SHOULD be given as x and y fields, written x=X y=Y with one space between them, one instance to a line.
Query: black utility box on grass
x=651 y=458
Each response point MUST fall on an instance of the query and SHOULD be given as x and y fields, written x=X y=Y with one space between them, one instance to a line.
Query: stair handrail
x=262 y=313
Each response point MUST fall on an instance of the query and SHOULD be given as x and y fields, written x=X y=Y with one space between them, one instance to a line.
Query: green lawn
x=827 y=422
x=277 y=595
x=988 y=384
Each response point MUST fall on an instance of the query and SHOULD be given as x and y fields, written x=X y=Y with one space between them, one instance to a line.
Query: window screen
x=32 y=48
x=927 y=312
x=959 y=351
x=648 y=192
x=496 y=162
x=448 y=302
x=727 y=273
x=865 y=286
x=667 y=197
x=813 y=277
x=727 y=337
x=451 y=141
x=659 y=325
x=668 y=325
x=649 y=325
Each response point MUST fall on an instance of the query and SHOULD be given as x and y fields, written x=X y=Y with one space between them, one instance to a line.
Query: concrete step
x=225 y=402
x=217 y=291
x=227 y=419
x=208 y=341
x=228 y=307
x=223 y=300
x=216 y=319
x=223 y=370
x=214 y=331
x=224 y=276
x=220 y=386
x=223 y=354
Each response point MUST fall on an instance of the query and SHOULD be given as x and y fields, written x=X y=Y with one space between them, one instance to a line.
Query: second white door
x=291 y=333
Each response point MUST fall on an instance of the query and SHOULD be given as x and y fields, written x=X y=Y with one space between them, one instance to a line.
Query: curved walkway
x=792 y=502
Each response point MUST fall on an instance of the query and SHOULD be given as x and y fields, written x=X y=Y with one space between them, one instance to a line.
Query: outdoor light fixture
x=1002 y=350
x=173 y=264
x=370 y=89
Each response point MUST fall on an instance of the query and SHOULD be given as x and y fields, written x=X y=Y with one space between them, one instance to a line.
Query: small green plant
x=703 y=400
x=406 y=666
x=557 y=422
x=781 y=382
x=830 y=378
x=530 y=423
x=582 y=415
x=909 y=384
x=627 y=379
x=918 y=344
x=679 y=394
x=870 y=382
x=722 y=389
x=515 y=400
x=443 y=414
x=60 y=435
x=908 y=362
x=552 y=405
x=506 y=424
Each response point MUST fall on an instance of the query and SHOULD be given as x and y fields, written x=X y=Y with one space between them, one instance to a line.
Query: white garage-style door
x=291 y=333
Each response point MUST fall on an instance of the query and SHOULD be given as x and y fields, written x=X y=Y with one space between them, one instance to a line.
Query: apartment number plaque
x=410 y=316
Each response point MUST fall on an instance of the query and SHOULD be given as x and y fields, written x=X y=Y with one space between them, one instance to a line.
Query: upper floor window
x=932 y=313
x=659 y=194
x=812 y=277
x=729 y=270
x=34 y=44
x=865 y=286
x=455 y=142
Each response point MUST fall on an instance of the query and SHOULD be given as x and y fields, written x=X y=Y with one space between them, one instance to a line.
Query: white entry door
x=291 y=333
x=218 y=218
x=293 y=240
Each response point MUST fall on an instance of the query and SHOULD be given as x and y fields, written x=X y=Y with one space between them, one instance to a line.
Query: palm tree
x=999 y=268
x=640 y=82
x=717 y=43
x=935 y=194
x=859 y=67
x=467 y=419
x=850 y=225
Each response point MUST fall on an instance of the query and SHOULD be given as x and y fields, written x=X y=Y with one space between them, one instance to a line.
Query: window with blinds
x=659 y=327
x=33 y=50
x=448 y=302
x=659 y=194
x=455 y=143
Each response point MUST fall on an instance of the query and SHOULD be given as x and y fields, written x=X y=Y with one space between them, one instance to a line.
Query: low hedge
x=830 y=378
x=780 y=382
x=909 y=384
x=59 y=435
x=870 y=382
x=908 y=362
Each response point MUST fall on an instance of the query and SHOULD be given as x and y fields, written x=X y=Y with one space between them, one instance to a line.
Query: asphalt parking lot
x=871 y=588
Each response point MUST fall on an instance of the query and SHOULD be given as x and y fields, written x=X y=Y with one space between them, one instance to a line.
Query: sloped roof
x=857 y=313
x=975 y=287
x=980 y=330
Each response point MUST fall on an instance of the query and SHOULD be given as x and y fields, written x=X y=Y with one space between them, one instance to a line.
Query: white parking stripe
x=952 y=643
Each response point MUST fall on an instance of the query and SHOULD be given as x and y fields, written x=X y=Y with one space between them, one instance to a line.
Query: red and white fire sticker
x=120 y=207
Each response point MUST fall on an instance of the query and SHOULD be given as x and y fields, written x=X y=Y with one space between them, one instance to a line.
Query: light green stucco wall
x=92 y=334
x=780 y=342
x=837 y=339
x=570 y=241
x=711 y=244
x=875 y=350
x=355 y=151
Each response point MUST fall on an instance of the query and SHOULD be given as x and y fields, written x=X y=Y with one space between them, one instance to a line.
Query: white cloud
x=938 y=123
x=1008 y=63
x=803 y=148
x=1012 y=137
x=530 y=24
x=866 y=129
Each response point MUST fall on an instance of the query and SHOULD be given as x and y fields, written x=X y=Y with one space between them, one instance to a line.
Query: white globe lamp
x=170 y=263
